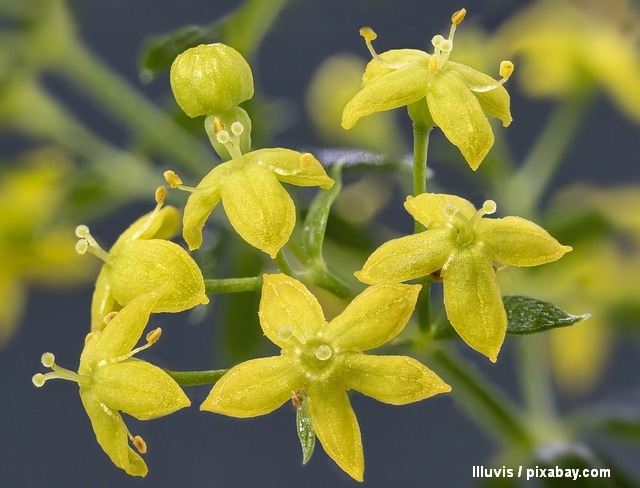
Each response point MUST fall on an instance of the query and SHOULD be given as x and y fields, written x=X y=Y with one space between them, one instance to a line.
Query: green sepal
x=158 y=52
x=306 y=434
x=527 y=315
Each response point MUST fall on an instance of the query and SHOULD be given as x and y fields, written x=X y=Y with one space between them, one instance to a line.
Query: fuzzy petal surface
x=286 y=302
x=337 y=428
x=396 y=380
x=429 y=208
x=473 y=301
x=393 y=60
x=519 y=242
x=138 y=388
x=293 y=167
x=259 y=208
x=392 y=90
x=407 y=258
x=255 y=387
x=458 y=113
x=374 y=317
x=111 y=434
x=163 y=225
x=200 y=204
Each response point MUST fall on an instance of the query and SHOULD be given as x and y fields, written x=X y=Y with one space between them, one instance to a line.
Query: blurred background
x=88 y=123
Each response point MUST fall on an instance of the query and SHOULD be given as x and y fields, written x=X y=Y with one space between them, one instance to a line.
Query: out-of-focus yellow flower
x=142 y=260
x=564 y=46
x=462 y=247
x=250 y=187
x=323 y=360
x=334 y=83
x=35 y=247
x=437 y=91
x=112 y=381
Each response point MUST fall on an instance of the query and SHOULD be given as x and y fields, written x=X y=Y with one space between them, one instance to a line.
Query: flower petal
x=164 y=225
x=122 y=332
x=473 y=302
x=111 y=434
x=200 y=204
x=429 y=208
x=144 y=265
x=254 y=388
x=337 y=428
x=394 y=57
x=392 y=90
x=458 y=113
x=397 y=380
x=292 y=167
x=374 y=317
x=102 y=302
x=259 y=208
x=137 y=388
x=407 y=258
x=286 y=302
x=519 y=242
x=494 y=102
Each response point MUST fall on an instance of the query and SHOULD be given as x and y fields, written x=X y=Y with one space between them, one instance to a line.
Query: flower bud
x=210 y=79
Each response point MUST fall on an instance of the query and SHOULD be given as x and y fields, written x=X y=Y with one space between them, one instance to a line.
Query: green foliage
x=527 y=315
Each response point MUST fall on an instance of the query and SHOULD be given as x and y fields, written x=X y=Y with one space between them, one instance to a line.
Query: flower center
x=314 y=355
x=464 y=226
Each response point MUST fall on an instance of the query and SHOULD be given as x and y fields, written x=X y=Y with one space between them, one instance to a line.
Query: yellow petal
x=12 y=300
x=397 y=380
x=337 y=428
x=254 y=388
x=407 y=258
x=286 y=303
x=123 y=331
x=519 y=242
x=374 y=317
x=396 y=58
x=429 y=208
x=111 y=434
x=137 y=388
x=392 y=90
x=293 y=167
x=102 y=302
x=259 y=209
x=473 y=302
x=141 y=266
x=496 y=102
x=458 y=113
x=164 y=225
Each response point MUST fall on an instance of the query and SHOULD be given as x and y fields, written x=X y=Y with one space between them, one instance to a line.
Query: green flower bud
x=210 y=79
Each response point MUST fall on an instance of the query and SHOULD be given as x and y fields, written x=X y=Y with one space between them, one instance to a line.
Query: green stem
x=196 y=378
x=232 y=285
x=420 y=147
x=283 y=263
x=424 y=306
x=149 y=122
x=488 y=406
x=320 y=275
x=526 y=188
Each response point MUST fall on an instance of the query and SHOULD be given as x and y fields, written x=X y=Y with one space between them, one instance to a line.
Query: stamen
x=152 y=338
x=369 y=35
x=48 y=361
x=217 y=125
x=506 y=70
x=488 y=207
x=223 y=137
x=297 y=399
x=323 y=352
x=139 y=443
x=456 y=19
x=160 y=195
x=175 y=181
x=287 y=334
x=88 y=243
x=237 y=128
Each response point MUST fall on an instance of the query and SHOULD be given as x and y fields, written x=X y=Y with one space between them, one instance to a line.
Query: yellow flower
x=112 y=381
x=140 y=261
x=564 y=46
x=323 y=360
x=249 y=185
x=36 y=247
x=437 y=91
x=461 y=247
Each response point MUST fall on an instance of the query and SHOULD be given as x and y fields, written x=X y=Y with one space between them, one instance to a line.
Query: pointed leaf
x=306 y=434
x=527 y=315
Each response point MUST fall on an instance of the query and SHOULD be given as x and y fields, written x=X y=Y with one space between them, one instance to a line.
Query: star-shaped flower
x=440 y=92
x=112 y=381
x=462 y=247
x=250 y=187
x=323 y=360
x=141 y=260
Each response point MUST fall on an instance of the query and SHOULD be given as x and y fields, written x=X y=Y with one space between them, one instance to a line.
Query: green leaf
x=158 y=52
x=527 y=315
x=306 y=434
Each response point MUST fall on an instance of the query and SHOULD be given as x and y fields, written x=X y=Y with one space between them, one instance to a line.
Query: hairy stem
x=232 y=285
x=420 y=147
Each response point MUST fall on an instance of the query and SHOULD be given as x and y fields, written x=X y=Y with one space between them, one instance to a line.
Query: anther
x=223 y=137
x=139 y=443
x=109 y=317
x=506 y=70
x=172 y=178
x=323 y=352
x=368 y=33
x=306 y=160
x=458 y=16
x=217 y=125
x=153 y=336
x=161 y=194
x=237 y=128
x=296 y=399
x=47 y=359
